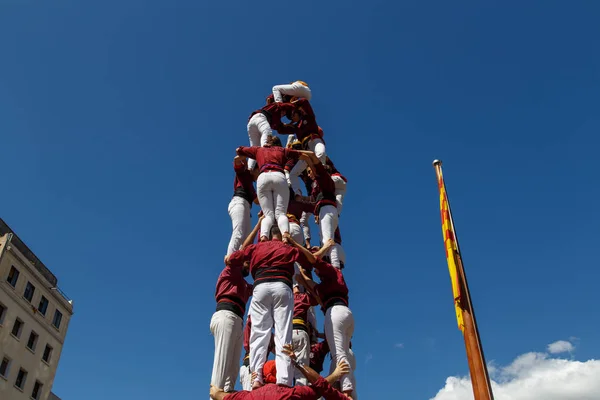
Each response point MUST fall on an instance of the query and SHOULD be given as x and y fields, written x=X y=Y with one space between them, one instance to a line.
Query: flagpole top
x=437 y=162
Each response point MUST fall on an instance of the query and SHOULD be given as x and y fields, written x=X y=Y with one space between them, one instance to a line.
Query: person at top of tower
x=262 y=122
x=272 y=188
x=318 y=387
x=241 y=203
x=272 y=267
x=309 y=133
x=297 y=89
x=232 y=293
x=339 y=321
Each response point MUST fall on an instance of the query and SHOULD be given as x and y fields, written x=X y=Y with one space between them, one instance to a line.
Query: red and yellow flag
x=452 y=252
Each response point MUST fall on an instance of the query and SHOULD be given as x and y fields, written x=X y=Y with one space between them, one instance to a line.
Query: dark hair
x=274 y=141
x=275 y=231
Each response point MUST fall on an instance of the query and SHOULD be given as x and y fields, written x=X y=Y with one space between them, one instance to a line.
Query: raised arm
x=247 y=151
x=321 y=386
x=325 y=248
x=250 y=239
x=238 y=161
x=304 y=251
x=309 y=285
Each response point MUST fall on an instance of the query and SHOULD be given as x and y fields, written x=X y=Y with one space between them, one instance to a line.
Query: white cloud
x=561 y=346
x=368 y=358
x=399 y=345
x=533 y=376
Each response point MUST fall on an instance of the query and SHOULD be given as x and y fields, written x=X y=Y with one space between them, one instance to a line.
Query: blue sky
x=119 y=121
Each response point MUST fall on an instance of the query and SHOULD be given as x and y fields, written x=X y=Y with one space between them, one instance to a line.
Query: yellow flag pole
x=482 y=388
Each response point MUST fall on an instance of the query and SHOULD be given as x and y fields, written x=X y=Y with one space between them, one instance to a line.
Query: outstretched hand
x=329 y=244
x=214 y=391
x=288 y=350
x=342 y=368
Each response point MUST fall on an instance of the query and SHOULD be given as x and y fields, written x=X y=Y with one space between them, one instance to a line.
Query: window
x=29 y=291
x=47 y=353
x=43 y=307
x=2 y=313
x=13 y=276
x=4 y=367
x=17 y=328
x=32 y=342
x=57 y=319
x=21 y=378
x=37 y=390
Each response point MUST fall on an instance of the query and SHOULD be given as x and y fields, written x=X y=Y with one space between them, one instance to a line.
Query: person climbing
x=272 y=188
x=326 y=214
x=303 y=301
x=262 y=122
x=309 y=134
x=241 y=203
x=318 y=387
x=272 y=267
x=339 y=321
x=297 y=89
x=232 y=293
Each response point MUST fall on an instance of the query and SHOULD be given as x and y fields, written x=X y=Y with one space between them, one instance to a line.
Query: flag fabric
x=452 y=253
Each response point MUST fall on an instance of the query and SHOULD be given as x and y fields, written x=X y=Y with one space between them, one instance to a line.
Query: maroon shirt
x=273 y=113
x=296 y=207
x=243 y=185
x=323 y=189
x=334 y=170
x=269 y=261
x=302 y=302
x=318 y=352
x=275 y=392
x=232 y=291
x=307 y=126
x=333 y=287
x=269 y=158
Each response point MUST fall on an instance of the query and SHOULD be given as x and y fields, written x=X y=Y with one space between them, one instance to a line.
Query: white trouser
x=328 y=222
x=239 y=211
x=301 y=343
x=226 y=327
x=272 y=305
x=245 y=378
x=305 y=225
x=298 y=236
x=318 y=147
x=340 y=191
x=290 y=139
x=293 y=89
x=259 y=130
x=273 y=196
x=352 y=360
x=296 y=233
x=337 y=256
x=339 y=328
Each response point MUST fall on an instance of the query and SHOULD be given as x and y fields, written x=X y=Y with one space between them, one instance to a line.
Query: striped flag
x=452 y=250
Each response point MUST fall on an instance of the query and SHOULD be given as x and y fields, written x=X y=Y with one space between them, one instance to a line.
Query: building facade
x=34 y=317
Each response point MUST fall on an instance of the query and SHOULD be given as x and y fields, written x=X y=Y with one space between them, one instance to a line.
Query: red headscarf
x=269 y=372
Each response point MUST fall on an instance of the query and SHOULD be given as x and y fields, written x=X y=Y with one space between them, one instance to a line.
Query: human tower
x=281 y=317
